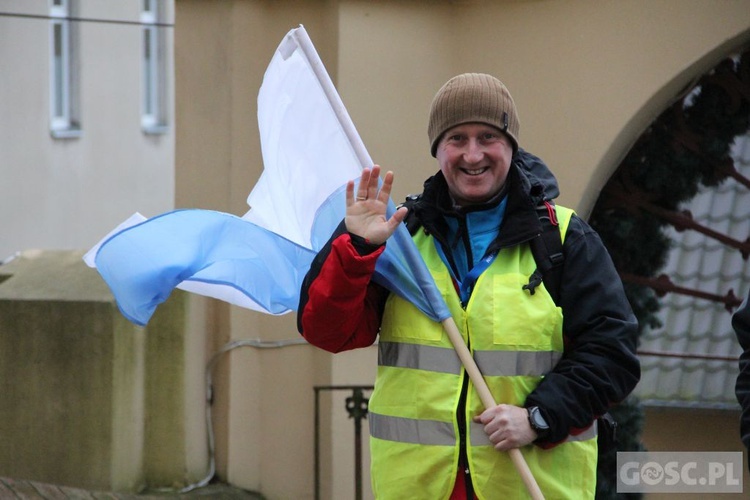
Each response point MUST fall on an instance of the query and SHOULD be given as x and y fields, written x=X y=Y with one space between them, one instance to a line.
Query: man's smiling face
x=475 y=159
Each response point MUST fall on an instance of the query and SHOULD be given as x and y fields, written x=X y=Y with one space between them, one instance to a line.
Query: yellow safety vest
x=515 y=338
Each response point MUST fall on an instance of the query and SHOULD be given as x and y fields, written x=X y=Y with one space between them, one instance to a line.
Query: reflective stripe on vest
x=435 y=433
x=445 y=360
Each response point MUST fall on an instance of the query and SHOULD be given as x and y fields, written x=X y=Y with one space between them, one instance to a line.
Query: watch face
x=538 y=420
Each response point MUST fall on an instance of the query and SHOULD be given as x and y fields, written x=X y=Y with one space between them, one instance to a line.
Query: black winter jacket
x=741 y=325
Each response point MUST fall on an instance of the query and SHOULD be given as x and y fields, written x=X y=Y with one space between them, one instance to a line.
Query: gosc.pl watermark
x=679 y=472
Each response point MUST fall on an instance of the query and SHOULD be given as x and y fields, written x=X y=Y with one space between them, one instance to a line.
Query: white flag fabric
x=307 y=154
x=310 y=151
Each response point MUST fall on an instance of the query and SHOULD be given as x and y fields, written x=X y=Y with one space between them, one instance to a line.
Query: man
x=741 y=325
x=553 y=367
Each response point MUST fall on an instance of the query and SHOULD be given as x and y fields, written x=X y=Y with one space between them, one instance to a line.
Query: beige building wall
x=66 y=193
x=588 y=77
x=673 y=429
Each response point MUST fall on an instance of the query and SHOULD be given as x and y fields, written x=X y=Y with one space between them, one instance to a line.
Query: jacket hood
x=538 y=173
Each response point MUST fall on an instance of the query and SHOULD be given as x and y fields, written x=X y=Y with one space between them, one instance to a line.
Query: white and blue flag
x=310 y=150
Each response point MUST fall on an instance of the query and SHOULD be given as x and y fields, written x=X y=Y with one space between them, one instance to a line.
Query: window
x=63 y=84
x=153 y=99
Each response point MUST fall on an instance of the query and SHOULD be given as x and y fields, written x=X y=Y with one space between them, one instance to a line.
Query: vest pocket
x=403 y=320
x=522 y=320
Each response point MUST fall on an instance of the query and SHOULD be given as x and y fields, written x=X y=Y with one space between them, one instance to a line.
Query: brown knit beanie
x=472 y=97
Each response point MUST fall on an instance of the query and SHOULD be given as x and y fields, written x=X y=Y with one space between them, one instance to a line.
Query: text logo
x=679 y=472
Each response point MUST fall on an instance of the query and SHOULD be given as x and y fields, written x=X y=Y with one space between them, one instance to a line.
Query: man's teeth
x=476 y=171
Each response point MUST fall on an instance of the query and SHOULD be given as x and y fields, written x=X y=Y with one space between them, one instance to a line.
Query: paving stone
x=23 y=490
x=5 y=492
x=49 y=491
x=33 y=490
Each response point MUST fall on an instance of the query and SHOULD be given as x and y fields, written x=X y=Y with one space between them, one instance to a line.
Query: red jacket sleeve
x=340 y=308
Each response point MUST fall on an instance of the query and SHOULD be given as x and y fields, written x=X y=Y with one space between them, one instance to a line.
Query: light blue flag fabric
x=144 y=263
x=310 y=150
x=402 y=270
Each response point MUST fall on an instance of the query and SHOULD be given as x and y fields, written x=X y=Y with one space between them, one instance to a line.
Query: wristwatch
x=537 y=422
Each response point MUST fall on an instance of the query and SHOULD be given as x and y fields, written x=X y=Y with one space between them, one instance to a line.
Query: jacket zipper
x=463 y=441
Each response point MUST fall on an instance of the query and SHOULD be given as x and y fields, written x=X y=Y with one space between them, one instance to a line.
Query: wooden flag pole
x=488 y=401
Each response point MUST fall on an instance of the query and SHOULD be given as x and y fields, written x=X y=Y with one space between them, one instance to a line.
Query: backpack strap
x=547 y=251
x=412 y=222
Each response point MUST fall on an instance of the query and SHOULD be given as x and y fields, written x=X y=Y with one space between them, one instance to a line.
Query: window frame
x=153 y=109
x=63 y=108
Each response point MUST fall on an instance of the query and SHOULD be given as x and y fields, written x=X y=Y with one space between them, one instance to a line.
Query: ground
x=31 y=490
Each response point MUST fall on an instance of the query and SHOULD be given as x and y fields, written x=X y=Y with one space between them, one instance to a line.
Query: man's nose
x=474 y=151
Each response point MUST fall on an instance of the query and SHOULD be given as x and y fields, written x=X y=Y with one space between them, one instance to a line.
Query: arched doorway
x=675 y=217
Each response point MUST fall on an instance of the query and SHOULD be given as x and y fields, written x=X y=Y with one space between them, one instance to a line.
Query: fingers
x=385 y=190
x=368 y=184
x=366 y=206
x=506 y=426
x=373 y=181
x=368 y=188
x=397 y=218
x=349 y=193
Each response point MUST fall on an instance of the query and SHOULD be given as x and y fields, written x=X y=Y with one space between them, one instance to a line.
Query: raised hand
x=366 y=212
